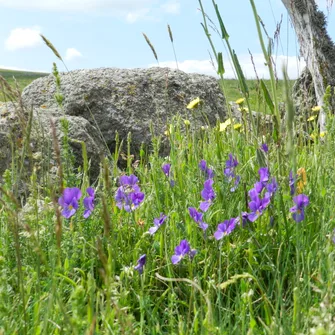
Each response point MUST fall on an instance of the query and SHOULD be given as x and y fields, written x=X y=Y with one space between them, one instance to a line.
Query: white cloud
x=171 y=7
x=72 y=53
x=76 y=5
x=132 y=17
x=130 y=10
x=294 y=66
x=20 y=38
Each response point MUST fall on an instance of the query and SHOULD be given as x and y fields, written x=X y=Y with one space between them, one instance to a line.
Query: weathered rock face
x=126 y=100
x=41 y=151
x=304 y=95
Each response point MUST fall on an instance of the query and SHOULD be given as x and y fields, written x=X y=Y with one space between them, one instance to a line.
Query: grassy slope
x=23 y=78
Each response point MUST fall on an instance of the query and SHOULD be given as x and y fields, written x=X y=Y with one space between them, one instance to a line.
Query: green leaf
x=224 y=33
x=267 y=97
x=221 y=69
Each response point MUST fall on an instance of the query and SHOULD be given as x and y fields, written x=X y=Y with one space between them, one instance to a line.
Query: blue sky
x=108 y=33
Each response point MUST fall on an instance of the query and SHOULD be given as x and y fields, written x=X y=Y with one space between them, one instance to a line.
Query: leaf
x=221 y=69
x=267 y=96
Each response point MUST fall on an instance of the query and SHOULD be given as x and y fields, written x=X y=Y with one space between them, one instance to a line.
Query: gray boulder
x=129 y=100
x=40 y=151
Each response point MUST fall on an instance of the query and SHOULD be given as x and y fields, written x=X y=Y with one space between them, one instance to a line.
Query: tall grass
x=271 y=276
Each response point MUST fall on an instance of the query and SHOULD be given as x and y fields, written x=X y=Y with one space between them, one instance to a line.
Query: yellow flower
x=224 y=125
x=243 y=109
x=237 y=126
x=323 y=133
x=312 y=118
x=316 y=109
x=303 y=179
x=314 y=136
x=187 y=122
x=194 y=103
x=240 y=101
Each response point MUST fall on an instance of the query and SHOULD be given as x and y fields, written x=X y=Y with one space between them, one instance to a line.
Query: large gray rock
x=125 y=100
x=40 y=151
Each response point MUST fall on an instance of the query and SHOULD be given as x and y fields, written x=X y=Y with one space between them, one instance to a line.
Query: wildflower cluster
x=69 y=201
x=230 y=174
x=260 y=198
x=128 y=195
x=166 y=168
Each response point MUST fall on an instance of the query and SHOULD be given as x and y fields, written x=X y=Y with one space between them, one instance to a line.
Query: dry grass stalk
x=51 y=46
x=151 y=46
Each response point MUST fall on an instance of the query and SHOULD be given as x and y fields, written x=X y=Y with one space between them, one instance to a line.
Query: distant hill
x=23 y=78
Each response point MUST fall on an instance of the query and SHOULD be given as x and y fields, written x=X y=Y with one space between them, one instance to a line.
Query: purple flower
x=140 y=264
x=89 y=202
x=136 y=199
x=292 y=183
x=128 y=195
x=333 y=239
x=203 y=167
x=264 y=175
x=231 y=164
x=257 y=205
x=128 y=180
x=236 y=183
x=259 y=187
x=182 y=250
x=265 y=148
x=157 y=223
x=207 y=194
x=272 y=187
x=244 y=216
x=226 y=228
x=197 y=217
x=301 y=201
x=69 y=201
x=166 y=169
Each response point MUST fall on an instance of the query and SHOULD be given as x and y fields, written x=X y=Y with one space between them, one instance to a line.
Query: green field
x=23 y=78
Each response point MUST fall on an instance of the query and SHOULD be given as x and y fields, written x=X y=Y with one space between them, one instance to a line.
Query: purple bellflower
x=140 y=264
x=301 y=201
x=89 y=202
x=257 y=205
x=182 y=250
x=226 y=228
x=207 y=194
x=197 y=217
x=157 y=223
x=69 y=201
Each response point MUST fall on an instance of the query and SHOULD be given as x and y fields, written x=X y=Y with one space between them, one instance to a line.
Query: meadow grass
x=100 y=257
